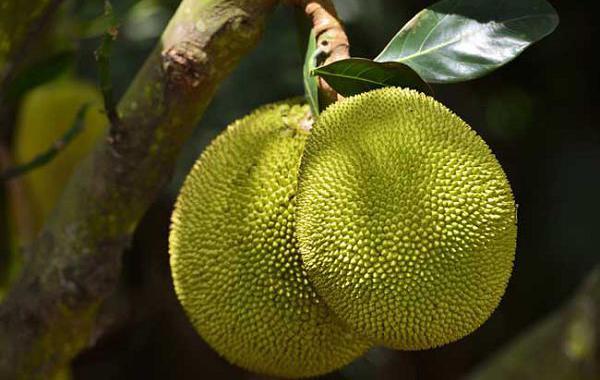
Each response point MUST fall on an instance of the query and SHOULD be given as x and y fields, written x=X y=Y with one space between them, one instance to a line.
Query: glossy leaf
x=355 y=75
x=311 y=89
x=458 y=40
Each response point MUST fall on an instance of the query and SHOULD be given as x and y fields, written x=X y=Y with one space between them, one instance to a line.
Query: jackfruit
x=45 y=114
x=405 y=219
x=234 y=257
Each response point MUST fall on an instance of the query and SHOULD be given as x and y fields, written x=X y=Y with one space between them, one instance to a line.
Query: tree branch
x=49 y=314
x=565 y=345
x=331 y=38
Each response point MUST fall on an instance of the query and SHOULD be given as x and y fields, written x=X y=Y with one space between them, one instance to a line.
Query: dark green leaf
x=40 y=73
x=310 y=82
x=355 y=75
x=458 y=40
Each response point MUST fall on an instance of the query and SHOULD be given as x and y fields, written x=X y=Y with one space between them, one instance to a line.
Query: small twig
x=48 y=155
x=332 y=41
x=103 y=55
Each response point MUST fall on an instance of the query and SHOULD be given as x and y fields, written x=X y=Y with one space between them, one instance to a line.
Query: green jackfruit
x=46 y=113
x=234 y=258
x=405 y=219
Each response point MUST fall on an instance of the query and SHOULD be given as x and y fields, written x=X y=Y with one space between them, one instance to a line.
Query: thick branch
x=566 y=345
x=49 y=314
x=331 y=38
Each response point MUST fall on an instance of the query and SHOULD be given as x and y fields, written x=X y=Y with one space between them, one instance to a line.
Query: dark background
x=538 y=114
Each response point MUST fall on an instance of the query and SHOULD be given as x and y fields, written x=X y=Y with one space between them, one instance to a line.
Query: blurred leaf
x=458 y=40
x=93 y=28
x=56 y=147
x=311 y=89
x=355 y=75
x=145 y=20
x=40 y=73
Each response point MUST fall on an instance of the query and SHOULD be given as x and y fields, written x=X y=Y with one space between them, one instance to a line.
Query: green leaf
x=311 y=89
x=458 y=40
x=355 y=75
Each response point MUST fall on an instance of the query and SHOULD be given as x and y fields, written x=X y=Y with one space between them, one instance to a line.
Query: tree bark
x=49 y=314
x=565 y=345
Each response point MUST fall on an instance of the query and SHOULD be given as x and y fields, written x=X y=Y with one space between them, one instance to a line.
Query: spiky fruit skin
x=406 y=221
x=46 y=113
x=234 y=258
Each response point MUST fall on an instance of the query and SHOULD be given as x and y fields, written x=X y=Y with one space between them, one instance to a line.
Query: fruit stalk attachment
x=332 y=40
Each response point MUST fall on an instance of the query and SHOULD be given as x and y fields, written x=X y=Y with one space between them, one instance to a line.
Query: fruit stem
x=332 y=40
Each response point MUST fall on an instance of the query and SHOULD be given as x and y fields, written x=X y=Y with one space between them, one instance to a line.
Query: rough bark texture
x=49 y=314
x=565 y=345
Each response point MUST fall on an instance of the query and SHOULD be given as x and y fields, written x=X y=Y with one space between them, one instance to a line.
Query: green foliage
x=310 y=81
x=45 y=157
x=40 y=72
x=355 y=75
x=451 y=41
x=458 y=40
x=16 y=17
x=54 y=133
